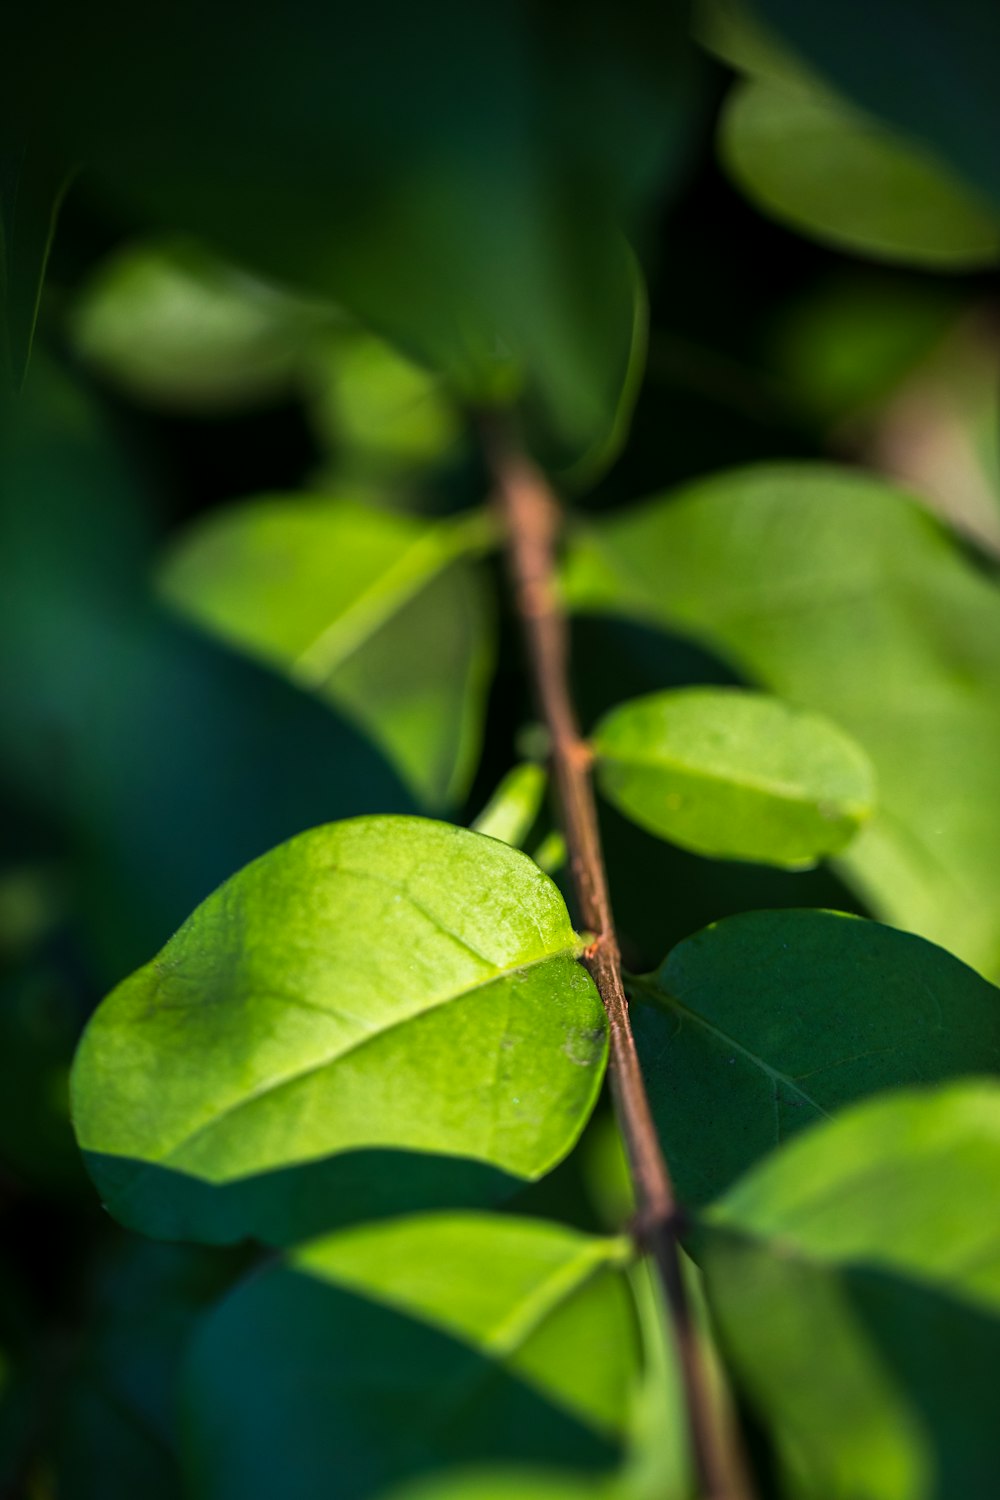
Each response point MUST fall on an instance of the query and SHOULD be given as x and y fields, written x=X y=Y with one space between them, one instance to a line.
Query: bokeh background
x=144 y=757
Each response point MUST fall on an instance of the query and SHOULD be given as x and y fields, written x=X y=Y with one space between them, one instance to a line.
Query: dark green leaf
x=837 y=592
x=765 y=1023
x=463 y=184
x=381 y=983
x=392 y=1351
x=855 y=1281
x=735 y=775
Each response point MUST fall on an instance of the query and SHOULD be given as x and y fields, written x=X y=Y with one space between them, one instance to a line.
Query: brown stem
x=533 y=519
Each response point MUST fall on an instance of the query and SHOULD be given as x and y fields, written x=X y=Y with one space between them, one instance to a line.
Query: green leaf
x=465 y=187
x=855 y=1280
x=768 y=1022
x=146 y=746
x=513 y=809
x=836 y=591
x=388 y=1351
x=828 y=170
x=924 y=65
x=380 y=983
x=379 y=613
x=731 y=31
x=734 y=775
x=175 y=327
x=501 y=1483
x=382 y=415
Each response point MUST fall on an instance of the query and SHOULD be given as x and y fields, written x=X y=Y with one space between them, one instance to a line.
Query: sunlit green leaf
x=388 y=1351
x=178 y=328
x=829 y=170
x=836 y=591
x=511 y=812
x=377 y=612
x=735 y=775
x=768 y=1022
x=380 y=983
x=855 y=1280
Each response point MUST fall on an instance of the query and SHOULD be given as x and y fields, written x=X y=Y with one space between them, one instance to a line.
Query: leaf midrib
x=781 y=790
x=663 y=1000
x=273 y=1086
x=422 y=560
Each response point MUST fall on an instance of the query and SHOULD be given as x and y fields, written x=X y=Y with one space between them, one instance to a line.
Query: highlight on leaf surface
x=436 y=1341
x=837 y=591
x=770 y=1021
x=854 y=1278
x=383 y=614
x=734 y=775
x=385 y=983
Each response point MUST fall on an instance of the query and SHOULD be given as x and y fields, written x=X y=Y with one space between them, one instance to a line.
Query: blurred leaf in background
x=165 y=761
x=835 y=590
x=872 y=1237
x=380 y=614
x=461 y=1340
x=832 y=171
x=177 y=327
x=462 y=181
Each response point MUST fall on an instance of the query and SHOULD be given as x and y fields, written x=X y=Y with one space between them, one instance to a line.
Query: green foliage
x=734 y=775
x=836 y=591
x=364 y=265
x=380 y=983
x=377 y=612
x=462 y=1339
x=872 y=1239
x=463 y=186
x=511 y=812
x=771 y=1021
x=179 y=328
x=835 y=173
x=924 y=65
x=385 y=416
